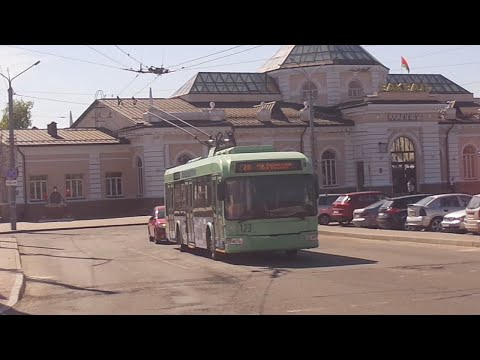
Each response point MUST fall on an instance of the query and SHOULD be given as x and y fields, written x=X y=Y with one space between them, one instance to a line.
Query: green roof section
x=311 y=55
x=439 y=84
x=229 y=83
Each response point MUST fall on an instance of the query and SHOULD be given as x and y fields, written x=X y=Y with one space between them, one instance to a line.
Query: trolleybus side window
x=202 y=200
x=180 y=196
x=169 y=199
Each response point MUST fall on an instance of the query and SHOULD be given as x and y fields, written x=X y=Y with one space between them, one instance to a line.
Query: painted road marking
x=159 y=258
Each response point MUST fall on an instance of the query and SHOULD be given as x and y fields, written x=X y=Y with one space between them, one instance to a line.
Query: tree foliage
x=22 y=113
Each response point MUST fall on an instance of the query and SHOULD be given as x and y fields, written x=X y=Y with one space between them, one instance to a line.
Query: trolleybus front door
x=217 y=212
x=189 y=213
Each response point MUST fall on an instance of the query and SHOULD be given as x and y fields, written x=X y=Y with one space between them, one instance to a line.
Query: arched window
x=329 y=168
x=309 y=86
x=140 y=176
x=469 y=170
x=183 y=159
x=402 y=152
x=355 y=89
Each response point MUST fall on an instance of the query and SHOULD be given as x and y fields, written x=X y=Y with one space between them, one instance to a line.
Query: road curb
x=410 y=238
x=18 y=288
x=70 y=228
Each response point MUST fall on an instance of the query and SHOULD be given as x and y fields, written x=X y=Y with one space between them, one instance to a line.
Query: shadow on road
x=66 y=257
x=68 y=286
x=304 y=260
x=11 y=270
x=13 y=311
x=44 y=232
x=166 y=243
x=41 y=247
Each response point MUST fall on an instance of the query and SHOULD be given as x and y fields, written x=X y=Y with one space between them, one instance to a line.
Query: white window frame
x=330 y=165
x=469 y=169
x=356 y=91
x=306 y=88
x=111 y=186
x=43 y=188
x=74 y=181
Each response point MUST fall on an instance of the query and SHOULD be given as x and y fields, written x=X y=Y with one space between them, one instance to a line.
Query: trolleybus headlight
x=235 y=241
x=312 y=237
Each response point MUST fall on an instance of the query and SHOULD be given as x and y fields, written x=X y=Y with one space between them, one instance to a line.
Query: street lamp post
x=12 y=199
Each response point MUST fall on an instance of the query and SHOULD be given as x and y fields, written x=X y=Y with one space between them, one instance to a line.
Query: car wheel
x=406 y=227
x=324 y=219
x=157 y=241
x=436 y=225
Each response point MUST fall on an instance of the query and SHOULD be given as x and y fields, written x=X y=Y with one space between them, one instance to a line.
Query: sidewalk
x=395 y=235
x=12 y=280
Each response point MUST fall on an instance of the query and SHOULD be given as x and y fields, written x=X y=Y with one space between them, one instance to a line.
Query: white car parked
x=454 y=222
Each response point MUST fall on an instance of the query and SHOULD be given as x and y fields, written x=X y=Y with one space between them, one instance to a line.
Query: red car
x=344 y=206
x=325 y=208
x=157 y=225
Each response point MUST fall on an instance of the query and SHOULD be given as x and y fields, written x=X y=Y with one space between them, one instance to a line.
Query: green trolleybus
x=243 y=199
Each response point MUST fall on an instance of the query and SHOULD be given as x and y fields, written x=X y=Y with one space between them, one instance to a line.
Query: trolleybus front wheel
x=211 y=247
x=181 y=246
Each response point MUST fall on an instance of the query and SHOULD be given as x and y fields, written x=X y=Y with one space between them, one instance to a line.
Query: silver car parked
x=428 y=213
x=454 y=222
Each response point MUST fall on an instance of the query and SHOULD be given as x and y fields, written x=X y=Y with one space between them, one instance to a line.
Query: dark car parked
x=367 y=217
x=393 y=213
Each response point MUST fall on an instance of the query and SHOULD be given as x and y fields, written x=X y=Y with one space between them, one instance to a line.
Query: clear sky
x=62 y=83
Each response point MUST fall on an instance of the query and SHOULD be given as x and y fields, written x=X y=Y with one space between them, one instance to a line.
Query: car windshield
x=342 y=199
x=376 y=205
x=263 y=197
x=425 y=201
x=387 y=204
x=474 y=203
x=160 y=214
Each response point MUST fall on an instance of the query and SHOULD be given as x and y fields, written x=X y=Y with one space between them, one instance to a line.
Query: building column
x=95 y=177
x=154 y=165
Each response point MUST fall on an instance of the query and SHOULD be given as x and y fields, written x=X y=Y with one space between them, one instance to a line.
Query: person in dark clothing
x=56 y=197
x=411 y=186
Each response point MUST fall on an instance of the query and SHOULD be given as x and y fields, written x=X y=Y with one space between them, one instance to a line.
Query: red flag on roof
x=405 y=64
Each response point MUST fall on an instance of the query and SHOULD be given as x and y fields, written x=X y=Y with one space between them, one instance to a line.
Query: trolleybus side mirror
x=221 y=191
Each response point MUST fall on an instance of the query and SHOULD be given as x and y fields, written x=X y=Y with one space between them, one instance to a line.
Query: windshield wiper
x=248 y=217
x=297 y=211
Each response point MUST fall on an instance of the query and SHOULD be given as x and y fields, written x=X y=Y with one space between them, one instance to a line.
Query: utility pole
x=12 y=199
x=12 y=171
x=313 y=142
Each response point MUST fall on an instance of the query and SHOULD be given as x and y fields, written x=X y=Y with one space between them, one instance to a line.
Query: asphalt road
x=118 y=271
